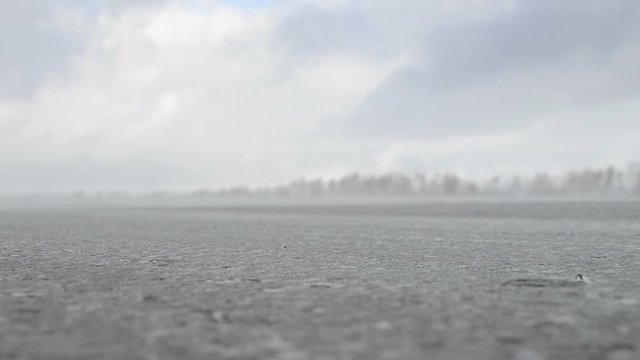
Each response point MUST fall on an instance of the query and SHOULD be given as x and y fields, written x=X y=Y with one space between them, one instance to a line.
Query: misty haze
x=320 y=179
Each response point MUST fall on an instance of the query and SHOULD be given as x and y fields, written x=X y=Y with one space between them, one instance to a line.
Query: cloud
x=528 y=60
x=176 y=97
x=185 y=94
x=32 y=46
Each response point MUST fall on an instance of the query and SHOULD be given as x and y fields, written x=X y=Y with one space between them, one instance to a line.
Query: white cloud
x=174 y=96
x=200 y=94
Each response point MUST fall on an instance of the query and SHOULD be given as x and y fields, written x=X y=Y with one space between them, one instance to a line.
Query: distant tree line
x=608 y=181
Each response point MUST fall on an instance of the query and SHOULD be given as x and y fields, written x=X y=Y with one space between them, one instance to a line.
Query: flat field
x=374 y=280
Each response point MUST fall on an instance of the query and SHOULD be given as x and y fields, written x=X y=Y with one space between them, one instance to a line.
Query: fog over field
x=320 y=179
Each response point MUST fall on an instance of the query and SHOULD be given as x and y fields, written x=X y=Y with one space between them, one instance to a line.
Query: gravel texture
x=369 y=281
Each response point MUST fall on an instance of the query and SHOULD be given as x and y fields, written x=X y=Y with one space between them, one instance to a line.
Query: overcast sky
x=145 y=95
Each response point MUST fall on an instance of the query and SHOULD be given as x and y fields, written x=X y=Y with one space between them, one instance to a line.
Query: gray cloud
x=32 y=46
x=533 y=34
x=534 y=59
x=312 y=30
x=178 y=94
x=375 y=28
